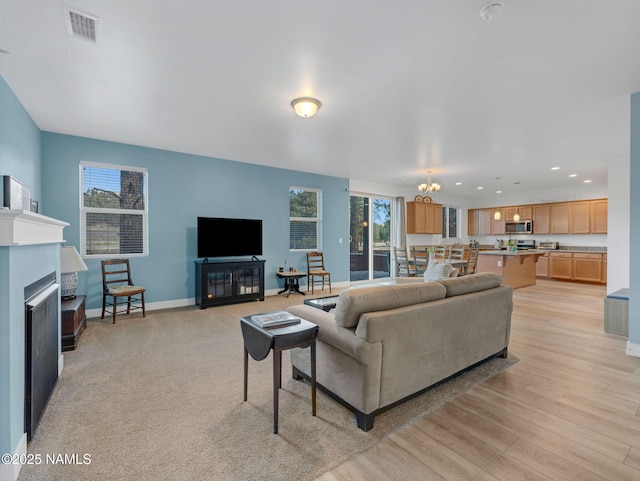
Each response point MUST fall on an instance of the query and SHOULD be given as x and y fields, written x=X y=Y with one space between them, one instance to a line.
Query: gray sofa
x=385 y=344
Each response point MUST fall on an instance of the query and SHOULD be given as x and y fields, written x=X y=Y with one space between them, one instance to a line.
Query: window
x=113 y=210
x=450 y=217
x=304 y=218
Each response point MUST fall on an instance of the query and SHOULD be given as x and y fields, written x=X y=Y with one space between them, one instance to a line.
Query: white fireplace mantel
x=21 y=228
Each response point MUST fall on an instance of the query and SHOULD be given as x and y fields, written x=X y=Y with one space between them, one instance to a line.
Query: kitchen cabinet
x=561 y=265
x=599 y=216
x=578 y=266
x=524 y=211
x=560 y=218
x=580 y=217
x=541 y=219
x=497 y=226
x=472 y=222
x=587 y=267
x=542 y=266
x=485 y=216
x=424 y=218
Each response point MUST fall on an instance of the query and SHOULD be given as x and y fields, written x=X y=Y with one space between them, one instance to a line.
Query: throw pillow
x=436 y=272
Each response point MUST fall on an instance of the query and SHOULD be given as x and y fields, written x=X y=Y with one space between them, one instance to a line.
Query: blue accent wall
x=20 y=149
x=634 y=218
x=19 y=267
x=181 y=188
x=20 y=157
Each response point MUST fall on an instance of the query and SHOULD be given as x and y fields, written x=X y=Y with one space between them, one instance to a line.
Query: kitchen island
x=518 y=269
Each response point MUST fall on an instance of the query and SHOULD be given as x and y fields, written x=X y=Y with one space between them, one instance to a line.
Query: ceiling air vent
x=82 y=25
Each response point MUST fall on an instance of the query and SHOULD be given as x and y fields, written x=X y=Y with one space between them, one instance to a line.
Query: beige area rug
x=160 y=398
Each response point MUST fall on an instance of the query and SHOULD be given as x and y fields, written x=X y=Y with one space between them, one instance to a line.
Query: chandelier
x=429 y=187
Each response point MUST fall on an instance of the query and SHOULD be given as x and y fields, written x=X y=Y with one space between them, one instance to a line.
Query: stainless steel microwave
x=520 y=227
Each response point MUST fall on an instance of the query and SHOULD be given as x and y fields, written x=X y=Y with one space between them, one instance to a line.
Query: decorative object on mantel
x=305 y=106
x=70 y=264
x=16 y=195
x=429 y=187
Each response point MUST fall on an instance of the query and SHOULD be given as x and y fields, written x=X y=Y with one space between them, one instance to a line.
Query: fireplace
x=42 y=299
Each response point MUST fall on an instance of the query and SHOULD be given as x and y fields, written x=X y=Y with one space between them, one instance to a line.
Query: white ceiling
x=406 y=86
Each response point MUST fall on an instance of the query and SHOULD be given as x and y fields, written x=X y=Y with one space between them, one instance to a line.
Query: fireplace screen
x=41 y=363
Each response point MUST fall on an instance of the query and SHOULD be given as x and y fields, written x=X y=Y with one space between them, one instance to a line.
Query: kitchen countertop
x=522 y=252
x=589 y=249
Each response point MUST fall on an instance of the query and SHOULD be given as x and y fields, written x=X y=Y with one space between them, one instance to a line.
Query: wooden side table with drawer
x=73 y=322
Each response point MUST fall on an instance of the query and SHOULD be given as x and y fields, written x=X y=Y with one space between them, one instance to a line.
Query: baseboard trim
x=633 y=349
x=151 y=306
x=154 y=306
x=10 y=472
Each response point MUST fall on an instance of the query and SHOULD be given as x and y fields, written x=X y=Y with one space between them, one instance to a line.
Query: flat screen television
x=221 y=237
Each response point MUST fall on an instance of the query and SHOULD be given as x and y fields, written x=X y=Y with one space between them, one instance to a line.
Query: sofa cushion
x=437 y=271
x=472 y=283
x=353 y=302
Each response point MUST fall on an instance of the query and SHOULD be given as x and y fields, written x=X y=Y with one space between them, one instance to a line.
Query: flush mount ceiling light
x=429 y=187
x=305 y=106
x=491 y=11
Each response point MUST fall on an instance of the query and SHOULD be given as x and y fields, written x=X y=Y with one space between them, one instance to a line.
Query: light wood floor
x=569 y=410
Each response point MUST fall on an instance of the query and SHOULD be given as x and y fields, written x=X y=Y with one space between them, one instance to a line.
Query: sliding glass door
x=370 y=237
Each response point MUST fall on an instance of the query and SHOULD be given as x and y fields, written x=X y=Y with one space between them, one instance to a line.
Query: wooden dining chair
x=460 y=254
x=116 y=283
x=440 y=252
x=315 y=269
x=472 y=261
x=405 y=266
x=420 y=256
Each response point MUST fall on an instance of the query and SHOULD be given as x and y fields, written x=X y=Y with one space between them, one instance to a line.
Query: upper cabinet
x=541 y=219
x=599 y=216
x=524 y=211
x=423 y=218
x=497 y=226
x=579 y=217
x=472 y=221
x=560 y=218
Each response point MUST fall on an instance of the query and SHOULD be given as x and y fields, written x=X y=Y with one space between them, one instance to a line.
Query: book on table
x=275 y=319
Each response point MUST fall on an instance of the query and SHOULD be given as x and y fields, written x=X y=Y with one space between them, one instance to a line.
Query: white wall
x=618 y=243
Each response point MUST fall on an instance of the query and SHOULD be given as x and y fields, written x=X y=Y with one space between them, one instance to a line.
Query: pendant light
x=516 y=216
x=496 y=214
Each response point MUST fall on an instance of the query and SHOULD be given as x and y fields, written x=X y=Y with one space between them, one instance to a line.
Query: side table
x=259 y=341
x=73 y=322
x=291 y=281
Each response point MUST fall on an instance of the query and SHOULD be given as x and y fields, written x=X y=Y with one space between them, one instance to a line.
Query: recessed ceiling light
x=555 y=168
x=480 y=188
x=458 y=183
x=588 y=181
x=573 y=175
x=498 y=192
